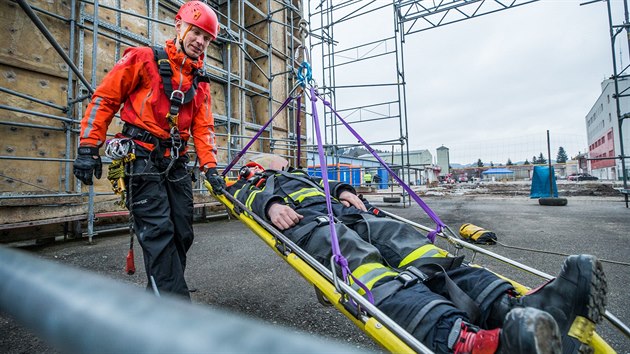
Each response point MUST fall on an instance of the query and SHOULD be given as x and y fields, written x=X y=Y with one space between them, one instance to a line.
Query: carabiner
x=304 y=74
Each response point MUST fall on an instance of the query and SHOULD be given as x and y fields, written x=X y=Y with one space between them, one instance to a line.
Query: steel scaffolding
x=251 y=66
x=384 y=52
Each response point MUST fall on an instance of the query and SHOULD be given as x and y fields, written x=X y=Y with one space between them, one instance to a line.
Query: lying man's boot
x=579 y=292
x=525 y=331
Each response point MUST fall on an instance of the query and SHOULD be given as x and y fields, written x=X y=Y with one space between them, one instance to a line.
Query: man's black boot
x=525 y=331
x=579 y=292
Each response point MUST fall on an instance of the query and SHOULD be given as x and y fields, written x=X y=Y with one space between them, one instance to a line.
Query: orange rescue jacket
x=135 y=82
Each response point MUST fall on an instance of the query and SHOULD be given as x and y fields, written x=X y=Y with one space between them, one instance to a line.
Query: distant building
x=602 y=131
x=421 y=167
x=443 y=160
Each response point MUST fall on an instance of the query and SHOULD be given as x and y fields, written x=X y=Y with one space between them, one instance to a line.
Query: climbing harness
x=177 y=98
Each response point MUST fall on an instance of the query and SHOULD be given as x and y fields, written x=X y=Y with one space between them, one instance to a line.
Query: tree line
x=561 y=157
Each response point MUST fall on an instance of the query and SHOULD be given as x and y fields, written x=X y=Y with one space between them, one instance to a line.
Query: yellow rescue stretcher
x=332 y=291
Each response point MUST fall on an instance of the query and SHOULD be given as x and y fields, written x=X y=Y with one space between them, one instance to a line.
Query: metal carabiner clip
x=176 y=142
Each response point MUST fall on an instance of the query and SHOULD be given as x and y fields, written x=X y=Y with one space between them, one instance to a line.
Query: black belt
x=136 y=133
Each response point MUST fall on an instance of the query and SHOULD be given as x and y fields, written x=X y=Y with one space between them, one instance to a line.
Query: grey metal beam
x=436 y=14
x=80 y=312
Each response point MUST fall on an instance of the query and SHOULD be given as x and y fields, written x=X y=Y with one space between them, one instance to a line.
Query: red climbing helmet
x=201 y=15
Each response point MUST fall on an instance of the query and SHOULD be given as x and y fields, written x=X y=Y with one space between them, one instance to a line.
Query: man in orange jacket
x=166 y=99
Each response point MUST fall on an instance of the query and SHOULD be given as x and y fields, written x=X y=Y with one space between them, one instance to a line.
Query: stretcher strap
x=255 y=137
x=439 y=224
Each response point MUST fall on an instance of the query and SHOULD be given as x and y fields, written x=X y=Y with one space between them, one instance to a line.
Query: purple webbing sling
x=298 y=129
x=439 y=224
x=334 y=240
x=255 y=137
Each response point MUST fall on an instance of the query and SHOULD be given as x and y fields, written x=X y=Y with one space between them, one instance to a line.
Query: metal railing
x=78 y=312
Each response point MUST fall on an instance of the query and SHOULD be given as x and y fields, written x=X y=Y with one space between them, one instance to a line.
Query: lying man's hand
x=348 y=198
x=282 y=216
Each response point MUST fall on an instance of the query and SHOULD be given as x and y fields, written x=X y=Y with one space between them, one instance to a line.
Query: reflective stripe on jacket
x=369 y=274
x=136 y=83
x=286 y=190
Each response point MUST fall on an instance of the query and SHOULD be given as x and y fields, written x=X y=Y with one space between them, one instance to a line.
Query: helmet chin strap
x=181 y=43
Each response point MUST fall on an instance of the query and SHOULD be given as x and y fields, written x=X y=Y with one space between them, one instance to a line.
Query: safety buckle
x=172 y=119
x=422 y=276
x=164 y=67
x=177 y=97
x=411 y=276
x=321 y=220
x=407 y=279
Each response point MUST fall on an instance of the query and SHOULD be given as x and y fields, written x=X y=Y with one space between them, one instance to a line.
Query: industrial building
x=607 y=135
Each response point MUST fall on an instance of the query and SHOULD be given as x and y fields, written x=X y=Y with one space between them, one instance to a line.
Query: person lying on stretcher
x=409 y=277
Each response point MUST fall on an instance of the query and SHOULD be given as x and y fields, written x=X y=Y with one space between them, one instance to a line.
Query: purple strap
x=255 y=137
x=324 y=167
x=298 y=128
x=439 y=224
x=334 y=240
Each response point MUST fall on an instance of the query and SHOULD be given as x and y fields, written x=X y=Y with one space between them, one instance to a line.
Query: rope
x=558 y=253
x=121 y=151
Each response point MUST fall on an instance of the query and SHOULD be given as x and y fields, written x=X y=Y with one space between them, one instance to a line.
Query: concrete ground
x=232 y=269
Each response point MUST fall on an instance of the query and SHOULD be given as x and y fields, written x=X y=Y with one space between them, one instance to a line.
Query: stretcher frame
x=378 y=326
x=368 y=318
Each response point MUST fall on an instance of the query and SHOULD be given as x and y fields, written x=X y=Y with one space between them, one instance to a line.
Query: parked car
x=582 y=177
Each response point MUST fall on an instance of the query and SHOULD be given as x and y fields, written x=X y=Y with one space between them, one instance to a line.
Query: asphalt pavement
x=232 y=269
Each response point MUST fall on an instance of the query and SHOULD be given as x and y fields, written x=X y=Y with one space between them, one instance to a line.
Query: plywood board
x=23 y=45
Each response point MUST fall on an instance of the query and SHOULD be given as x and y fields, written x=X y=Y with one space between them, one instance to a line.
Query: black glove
x=216 y=181
x=88 y=163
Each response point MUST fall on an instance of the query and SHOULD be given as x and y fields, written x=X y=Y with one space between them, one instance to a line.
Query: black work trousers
x=162 y=210
x=425 y=309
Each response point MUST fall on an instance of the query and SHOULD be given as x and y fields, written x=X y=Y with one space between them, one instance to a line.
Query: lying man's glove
x=216 y=181
x=88 y=163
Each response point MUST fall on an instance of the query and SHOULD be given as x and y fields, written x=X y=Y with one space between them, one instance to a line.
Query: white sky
x=488 y=87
